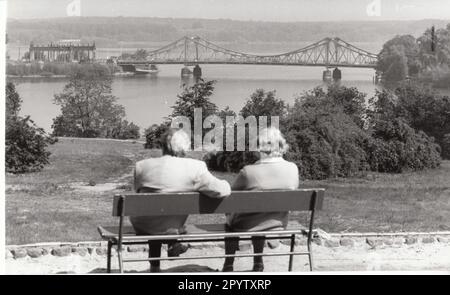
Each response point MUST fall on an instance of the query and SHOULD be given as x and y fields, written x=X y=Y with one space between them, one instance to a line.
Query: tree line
x=425 y=59
x=109 y=31
x=49 y=69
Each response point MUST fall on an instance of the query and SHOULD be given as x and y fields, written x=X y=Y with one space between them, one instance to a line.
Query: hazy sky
x=267 y=10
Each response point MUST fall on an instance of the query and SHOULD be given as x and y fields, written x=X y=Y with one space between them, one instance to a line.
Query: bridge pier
x=197 y=72
x=376 y=78
x=326 y=76
x=337 y=75
x=185 y=72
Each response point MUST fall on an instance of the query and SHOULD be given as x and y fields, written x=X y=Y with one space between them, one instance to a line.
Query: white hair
x=177 y=143
x=272 y=142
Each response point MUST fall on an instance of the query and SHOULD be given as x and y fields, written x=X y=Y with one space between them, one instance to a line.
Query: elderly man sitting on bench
x=172 y=173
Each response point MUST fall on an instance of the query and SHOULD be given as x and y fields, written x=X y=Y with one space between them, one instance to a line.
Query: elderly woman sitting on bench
x=270 y=172
x=172 y=173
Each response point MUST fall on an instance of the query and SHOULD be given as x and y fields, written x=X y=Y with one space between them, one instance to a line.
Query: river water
x=147 y=100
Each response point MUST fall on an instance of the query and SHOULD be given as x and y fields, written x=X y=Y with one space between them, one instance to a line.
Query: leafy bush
x=126 y=130
x=420 y=107
x=352 y=101
x=25 y=143
x=26 y=146
x=445 y=146
x=153 y=136
x=13 y=102
x=397 y=147
x=332 y=133
x=324 y=141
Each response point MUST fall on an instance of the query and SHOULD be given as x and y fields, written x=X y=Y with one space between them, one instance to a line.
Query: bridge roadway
x=193 y=63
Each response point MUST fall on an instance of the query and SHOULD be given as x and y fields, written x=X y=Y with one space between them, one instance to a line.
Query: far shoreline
x=57 y=76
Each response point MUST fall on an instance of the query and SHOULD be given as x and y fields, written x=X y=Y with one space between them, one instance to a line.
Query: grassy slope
x=42 y=207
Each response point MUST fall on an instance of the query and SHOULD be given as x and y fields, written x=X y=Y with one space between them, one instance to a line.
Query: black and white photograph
x=224 y=137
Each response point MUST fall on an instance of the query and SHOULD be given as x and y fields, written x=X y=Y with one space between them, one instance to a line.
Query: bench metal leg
x=119 y=255
x=291 y=257
x=310 y=257
x=119 y=242
x=310 y=232
x=108 y=261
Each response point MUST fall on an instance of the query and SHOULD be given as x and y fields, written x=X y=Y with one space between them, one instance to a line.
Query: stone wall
x=349 y=240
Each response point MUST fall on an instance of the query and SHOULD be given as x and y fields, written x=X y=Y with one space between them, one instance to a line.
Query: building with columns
x=64 y=51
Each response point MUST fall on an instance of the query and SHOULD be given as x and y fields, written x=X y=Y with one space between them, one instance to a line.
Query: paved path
x=418 y=257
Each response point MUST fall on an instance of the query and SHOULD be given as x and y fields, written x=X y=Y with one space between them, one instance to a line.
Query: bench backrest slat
x=152 y=204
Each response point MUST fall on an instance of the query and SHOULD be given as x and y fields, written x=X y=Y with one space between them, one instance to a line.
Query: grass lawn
x=50 y=205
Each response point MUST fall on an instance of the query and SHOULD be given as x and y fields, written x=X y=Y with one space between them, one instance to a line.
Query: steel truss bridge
x=329 y=52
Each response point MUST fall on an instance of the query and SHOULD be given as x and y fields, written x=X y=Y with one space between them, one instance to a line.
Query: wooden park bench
x=154 y=204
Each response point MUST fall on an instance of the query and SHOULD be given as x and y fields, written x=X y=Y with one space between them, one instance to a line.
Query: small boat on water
x=152 y=69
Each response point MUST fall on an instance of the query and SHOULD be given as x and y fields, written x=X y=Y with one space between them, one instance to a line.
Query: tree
x=404 y=56
x=195 y=96
x=393 y=65
x=260 y=103
x=264 y=103
x=441 y=53
x=399 y=59
x=126 y=130
x=140 y=54
x=88 y=108
x=13 y=102
x=25 y=143
x=435 y=63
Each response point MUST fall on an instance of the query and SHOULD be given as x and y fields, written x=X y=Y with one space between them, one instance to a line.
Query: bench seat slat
x=197 y=231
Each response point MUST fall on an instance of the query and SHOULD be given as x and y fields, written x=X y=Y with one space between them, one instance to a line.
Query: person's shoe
x=259 y=267
x=227 y=268
x=177 y=249
x=155 y=269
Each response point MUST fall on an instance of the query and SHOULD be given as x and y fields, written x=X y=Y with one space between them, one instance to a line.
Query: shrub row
x=332 y=133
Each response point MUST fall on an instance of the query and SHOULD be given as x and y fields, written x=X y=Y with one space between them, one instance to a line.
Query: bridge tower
x=197 y=69
x=185 y=71
x=326 y=76
x=332 y=51
x=190 y=60
x=337 y=74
